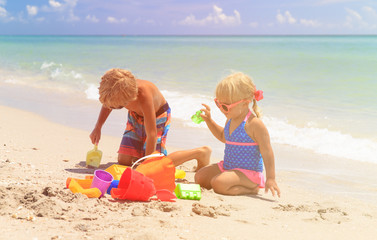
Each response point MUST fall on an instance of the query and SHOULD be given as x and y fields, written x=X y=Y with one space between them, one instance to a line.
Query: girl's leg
x=201 y=154
x=204 y=176
x=233 y=183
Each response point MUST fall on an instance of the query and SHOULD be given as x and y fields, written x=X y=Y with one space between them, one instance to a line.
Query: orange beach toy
x=161 y=170
x=83 y=186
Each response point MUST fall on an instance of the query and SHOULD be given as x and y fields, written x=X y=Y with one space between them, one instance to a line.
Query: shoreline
x=327 y=174
x=37 y=157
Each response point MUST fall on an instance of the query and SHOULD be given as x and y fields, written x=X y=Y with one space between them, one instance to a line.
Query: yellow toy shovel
x=93 y=157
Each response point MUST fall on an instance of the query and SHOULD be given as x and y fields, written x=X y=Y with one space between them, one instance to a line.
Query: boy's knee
x=126 y=160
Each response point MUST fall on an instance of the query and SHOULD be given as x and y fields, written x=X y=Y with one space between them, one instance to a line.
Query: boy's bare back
x=149 y=98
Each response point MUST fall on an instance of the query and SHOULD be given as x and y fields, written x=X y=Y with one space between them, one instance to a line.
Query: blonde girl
x=246 y=138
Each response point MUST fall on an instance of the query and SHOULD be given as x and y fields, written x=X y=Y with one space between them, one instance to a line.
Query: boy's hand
x=95 y=136
x=207 y=112
x=272 y=186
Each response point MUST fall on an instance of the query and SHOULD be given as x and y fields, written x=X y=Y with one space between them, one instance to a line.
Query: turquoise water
x=319 y=90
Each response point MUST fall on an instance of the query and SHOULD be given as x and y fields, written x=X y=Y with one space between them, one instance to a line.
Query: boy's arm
x=215 y=129
x=95 y=136
x=149 y=113
x=261 y=136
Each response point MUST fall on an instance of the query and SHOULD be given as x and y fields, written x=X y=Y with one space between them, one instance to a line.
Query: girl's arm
x=216 y=130
x=259 y=133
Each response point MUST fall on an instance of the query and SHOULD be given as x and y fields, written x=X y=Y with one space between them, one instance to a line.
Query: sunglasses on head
x=226 y=107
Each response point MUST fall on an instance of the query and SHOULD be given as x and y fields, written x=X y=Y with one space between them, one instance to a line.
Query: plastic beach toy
x=134 y=186
x=161 y=170
x=85 y=183
x=196 y=118
x=188 y=191
x=114 y=184
x=102 y=180
x=83 y=186
x=180 y=174
x=93 y=157
x=116 y=170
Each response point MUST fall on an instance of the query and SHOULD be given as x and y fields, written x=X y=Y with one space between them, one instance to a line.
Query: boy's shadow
x=81 y=168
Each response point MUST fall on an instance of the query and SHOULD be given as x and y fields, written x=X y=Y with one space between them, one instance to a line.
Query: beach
x=37 y=156
x=321 y=120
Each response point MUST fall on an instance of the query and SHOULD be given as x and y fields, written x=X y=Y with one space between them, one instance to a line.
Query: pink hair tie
x=258 y=95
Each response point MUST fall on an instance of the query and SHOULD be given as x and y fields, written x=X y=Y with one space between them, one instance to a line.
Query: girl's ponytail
x=258 y=95
x=256 y=109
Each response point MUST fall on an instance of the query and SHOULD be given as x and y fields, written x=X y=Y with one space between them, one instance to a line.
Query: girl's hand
x=272 y=186
x=207 y=112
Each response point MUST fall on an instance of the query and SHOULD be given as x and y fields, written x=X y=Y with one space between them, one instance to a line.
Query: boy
x=148 y=114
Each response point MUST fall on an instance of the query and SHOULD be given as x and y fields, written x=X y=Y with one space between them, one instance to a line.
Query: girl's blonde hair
x=236 y=87
x=117 y=87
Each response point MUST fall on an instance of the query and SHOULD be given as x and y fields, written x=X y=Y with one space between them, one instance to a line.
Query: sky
x=190 y=17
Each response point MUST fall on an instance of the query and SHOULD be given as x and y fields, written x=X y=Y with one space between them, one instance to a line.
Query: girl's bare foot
x=203 y=157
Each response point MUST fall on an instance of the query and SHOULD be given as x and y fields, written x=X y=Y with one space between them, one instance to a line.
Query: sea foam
x=319 y=140
x=322 y=140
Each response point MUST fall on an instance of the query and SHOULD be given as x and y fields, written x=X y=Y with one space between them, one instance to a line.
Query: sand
x=37 y=156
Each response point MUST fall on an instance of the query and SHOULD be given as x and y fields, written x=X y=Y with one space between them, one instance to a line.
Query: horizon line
x=193 y=35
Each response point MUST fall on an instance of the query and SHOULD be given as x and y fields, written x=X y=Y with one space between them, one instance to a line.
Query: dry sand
x=37 y=156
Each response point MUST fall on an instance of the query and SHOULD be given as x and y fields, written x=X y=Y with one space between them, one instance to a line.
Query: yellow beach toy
x=180 y=174
x=93 y=157
x=116 y=170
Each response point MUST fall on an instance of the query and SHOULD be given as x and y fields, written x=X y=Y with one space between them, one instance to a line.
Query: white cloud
x=150 y=21
x=71 y=17
x=65 y=8
x=217 y=17
x=114 y=20
x=144 y=21
x=3 y=2
x=254 y=24
x=353 y=14
x=355 y=20
x=326 y=2
x=310 y=23
x=90 y=18
x=3 y=12
x=32 y=10
x=285 y=18
x=370 y=12
x=5 y=16
x=54 y=4
x=289 y=19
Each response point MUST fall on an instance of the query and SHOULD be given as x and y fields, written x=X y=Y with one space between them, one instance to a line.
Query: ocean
x=319 y=91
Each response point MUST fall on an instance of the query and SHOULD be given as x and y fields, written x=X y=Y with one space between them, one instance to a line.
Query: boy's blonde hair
x=117 y=87
x=236 y=87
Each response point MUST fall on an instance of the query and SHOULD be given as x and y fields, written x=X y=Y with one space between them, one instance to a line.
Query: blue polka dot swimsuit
x=240 y=150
